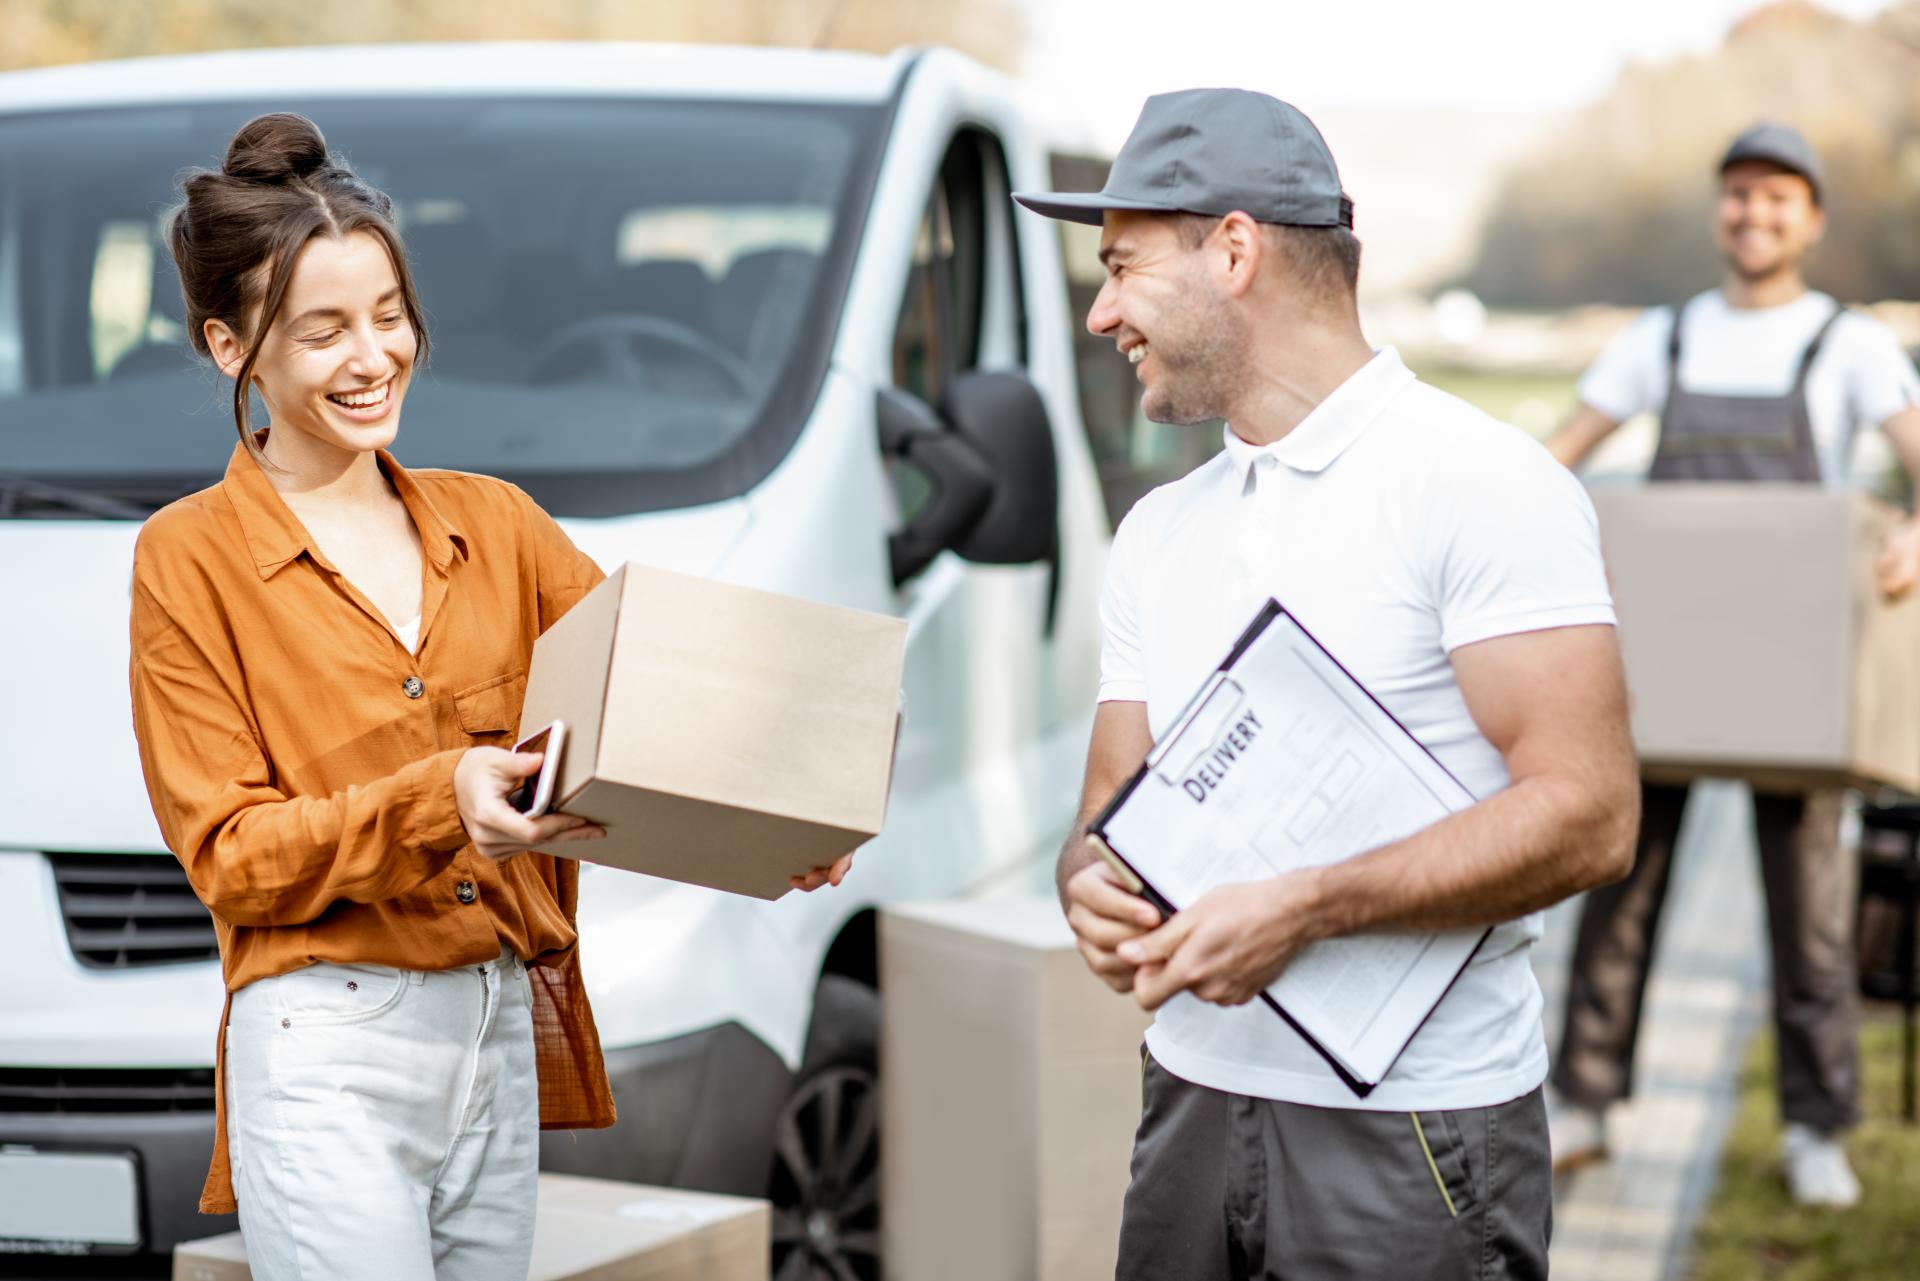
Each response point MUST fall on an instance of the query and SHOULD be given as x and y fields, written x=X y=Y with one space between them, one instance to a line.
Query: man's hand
x=1229 y=946
x=1900 y=559
x=823 y=875
x=483 y=780
x=1104 y=917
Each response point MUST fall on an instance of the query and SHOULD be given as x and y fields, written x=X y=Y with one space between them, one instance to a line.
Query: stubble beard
x=1201 y=355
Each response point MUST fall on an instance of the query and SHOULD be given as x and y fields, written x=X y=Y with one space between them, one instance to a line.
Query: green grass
x=1752 y=1232
x=1534 y=402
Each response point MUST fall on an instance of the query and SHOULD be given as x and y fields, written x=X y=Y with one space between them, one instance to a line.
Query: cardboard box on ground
x=723 y=736
x=1757 y=643
x=1010 y=1080
x=591 y=1230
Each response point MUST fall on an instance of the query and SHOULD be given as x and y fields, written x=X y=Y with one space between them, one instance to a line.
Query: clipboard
x=1197 y=725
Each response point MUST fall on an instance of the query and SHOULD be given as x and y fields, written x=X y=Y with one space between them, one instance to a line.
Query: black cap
x=1214 y=151
x=1780 y=145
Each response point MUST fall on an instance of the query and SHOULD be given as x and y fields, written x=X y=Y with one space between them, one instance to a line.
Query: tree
x=1617 y=208
x=46 y=32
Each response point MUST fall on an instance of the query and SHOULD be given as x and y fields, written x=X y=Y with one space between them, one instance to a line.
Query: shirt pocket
x=491 y=709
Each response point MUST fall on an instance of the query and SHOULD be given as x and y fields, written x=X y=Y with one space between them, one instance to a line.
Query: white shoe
x=1575 y=1135
x=1817 y=1169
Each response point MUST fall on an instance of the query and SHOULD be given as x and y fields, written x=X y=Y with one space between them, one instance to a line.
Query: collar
x=275 y=537
x=1335 y=423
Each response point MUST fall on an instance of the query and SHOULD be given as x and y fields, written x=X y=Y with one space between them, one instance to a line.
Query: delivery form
x=1283 y=761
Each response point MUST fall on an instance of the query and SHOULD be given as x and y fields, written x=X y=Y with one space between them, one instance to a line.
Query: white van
x=767 y=316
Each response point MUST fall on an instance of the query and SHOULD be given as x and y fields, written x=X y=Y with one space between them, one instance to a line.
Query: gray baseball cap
x=1212 y=151
x=1776 y=144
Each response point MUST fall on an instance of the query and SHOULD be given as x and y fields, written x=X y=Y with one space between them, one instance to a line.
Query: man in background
x=1759 y=380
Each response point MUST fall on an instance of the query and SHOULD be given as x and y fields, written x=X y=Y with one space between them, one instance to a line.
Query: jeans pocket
x=1444 y=1148
x=328 y=994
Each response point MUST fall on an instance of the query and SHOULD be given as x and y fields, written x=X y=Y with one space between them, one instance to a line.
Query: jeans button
x=414 y=687
x=465 y=892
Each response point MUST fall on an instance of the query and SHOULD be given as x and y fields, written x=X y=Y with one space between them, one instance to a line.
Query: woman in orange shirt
x=329 y=656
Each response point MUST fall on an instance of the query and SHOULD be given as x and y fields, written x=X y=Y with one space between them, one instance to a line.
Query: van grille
x=71 y=1090
x=131 y=909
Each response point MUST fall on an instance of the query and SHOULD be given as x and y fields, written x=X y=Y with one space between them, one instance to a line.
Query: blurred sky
x=1425 y=102
x=1418 y=54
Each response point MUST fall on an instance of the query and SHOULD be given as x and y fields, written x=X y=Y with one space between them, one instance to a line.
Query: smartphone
x=534 y=796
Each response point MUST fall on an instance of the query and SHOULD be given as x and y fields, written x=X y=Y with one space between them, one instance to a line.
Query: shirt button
x=465 y=892
x=414 y=687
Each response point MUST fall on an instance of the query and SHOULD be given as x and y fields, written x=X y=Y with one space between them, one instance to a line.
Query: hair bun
x=276 y=148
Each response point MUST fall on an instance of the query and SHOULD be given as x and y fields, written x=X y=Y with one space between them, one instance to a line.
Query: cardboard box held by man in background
x=1756 y=639
x=723 y=736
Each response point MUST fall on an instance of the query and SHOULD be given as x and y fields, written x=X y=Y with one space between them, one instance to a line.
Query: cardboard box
x=725 y=737
x=1010 y=1081
x=1757 y=643
x=591 y=1230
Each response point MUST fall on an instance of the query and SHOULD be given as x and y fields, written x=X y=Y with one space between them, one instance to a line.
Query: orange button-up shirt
x=300 y=760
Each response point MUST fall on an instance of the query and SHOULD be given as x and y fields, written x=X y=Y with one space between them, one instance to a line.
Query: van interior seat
x=159 y=355
x=762 y=298
x=456 y=276
x=676 y=289
x=542 y=290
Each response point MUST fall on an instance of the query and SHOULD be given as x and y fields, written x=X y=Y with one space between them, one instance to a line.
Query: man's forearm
x=1521 y=850
x=1902 y=431
x=1574 y=439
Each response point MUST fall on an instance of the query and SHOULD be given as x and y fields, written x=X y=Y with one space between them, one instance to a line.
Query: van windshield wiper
x=23 y=499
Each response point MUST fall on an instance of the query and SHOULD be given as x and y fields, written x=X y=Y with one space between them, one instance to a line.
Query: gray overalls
x=1810 y=886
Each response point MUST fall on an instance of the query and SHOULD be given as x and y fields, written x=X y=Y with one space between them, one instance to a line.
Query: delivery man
x=1760 y=380
x=1455 y=569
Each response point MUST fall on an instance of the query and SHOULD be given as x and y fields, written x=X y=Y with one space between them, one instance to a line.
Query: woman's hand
x=483 y=780
x=823 y=875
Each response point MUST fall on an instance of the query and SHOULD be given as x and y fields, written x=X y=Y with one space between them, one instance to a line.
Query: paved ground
x=1631 y=1218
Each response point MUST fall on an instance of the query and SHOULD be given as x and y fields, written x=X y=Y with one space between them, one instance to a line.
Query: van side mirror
x=991 y=461
x=1001 y=414
x=962 y=480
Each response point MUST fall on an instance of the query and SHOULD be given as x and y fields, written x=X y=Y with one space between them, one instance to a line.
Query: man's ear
x=228 y=352
x=1243 y=248
x=1819 y=220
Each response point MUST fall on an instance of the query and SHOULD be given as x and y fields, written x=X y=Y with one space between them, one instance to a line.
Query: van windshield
x=631 y=302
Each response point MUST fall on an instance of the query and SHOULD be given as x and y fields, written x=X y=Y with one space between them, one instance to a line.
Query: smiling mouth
x=372 y=398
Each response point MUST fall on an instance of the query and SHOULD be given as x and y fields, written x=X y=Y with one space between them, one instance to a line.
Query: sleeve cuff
x=1123 y=692
x=1601 y=403
x=437 y=825
x=1538 y=620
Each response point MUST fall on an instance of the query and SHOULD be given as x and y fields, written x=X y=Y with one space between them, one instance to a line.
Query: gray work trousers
x=1811 y=886
x=1231 y=1188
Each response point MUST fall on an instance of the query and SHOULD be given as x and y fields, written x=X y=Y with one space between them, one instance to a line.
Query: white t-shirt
x=1398 y=524
x=1860 y=378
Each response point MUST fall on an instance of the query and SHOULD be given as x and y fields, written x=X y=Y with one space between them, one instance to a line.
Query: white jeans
x=384 y=1124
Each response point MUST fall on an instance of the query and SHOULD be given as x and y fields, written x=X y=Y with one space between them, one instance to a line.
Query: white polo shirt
x=1398 y=523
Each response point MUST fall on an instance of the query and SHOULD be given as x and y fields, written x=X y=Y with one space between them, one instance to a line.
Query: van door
x=979 y=674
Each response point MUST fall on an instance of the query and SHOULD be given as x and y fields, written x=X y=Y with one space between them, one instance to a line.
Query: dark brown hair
x=237 y=233
x=1326 y=260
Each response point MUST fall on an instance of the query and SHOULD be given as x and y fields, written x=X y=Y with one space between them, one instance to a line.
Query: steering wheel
x=614 y=340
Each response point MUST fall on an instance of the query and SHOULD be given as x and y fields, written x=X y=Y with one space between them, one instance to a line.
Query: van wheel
x=826 y=1171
